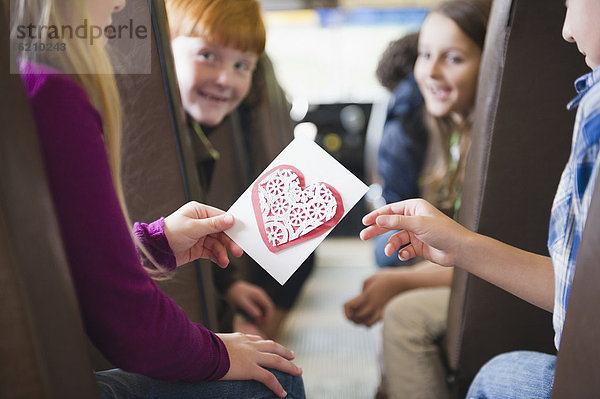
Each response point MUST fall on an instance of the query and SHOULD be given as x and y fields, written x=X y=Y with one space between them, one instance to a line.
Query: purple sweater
x=133 y=323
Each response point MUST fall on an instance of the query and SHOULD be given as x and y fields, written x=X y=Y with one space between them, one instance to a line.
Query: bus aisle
x=338 y=358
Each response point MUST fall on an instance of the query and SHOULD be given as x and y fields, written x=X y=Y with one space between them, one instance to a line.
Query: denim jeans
x=123 y=385
x=381 y=259
x=514 y=375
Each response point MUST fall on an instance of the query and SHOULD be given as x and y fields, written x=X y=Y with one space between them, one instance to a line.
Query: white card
x=317 y=167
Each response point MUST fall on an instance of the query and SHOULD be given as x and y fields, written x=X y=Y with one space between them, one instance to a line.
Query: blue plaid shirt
x=574 y=194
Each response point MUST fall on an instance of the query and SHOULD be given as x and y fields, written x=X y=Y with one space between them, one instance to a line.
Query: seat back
x=43 y=350
x=521 y=142
x=158 y=168
x=577 y=367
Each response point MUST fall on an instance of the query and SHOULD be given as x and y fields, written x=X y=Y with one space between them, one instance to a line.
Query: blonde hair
x=229 y=23
x=90 y=66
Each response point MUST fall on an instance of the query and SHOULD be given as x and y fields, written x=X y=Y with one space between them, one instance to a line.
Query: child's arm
x=434 y=236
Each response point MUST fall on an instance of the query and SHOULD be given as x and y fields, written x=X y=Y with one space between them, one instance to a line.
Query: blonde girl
x=135 y=325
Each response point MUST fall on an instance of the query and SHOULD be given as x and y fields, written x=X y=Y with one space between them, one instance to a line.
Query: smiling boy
x=216 y=45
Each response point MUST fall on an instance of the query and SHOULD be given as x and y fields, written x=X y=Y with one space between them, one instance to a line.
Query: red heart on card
x=289 y=213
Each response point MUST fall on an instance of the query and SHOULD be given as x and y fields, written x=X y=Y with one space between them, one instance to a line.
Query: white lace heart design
x=289 y=213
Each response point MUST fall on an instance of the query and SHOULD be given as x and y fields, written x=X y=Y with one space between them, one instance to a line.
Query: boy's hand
x=253 y=300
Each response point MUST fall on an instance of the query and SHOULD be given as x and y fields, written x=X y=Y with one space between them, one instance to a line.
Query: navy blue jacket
x=403 y=143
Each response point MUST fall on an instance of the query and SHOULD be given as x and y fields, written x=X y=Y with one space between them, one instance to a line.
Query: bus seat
x=43 y=348
x=158 y=169
x=521 y=142
x=577 y=367
x=373 y=137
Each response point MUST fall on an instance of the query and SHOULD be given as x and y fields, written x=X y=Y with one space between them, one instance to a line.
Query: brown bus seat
x=43 y=347
x=577 y=367
x=521 y=142
x=158 y=171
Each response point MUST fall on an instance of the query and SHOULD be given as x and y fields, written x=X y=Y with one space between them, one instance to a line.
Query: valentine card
x=292 y=206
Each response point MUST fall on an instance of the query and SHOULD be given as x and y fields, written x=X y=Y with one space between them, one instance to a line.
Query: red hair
x=231 y=23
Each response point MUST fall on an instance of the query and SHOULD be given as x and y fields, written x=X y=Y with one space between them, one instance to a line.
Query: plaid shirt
x=574 y=194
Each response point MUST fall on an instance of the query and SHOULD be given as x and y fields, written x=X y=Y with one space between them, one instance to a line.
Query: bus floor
x=339 y=359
